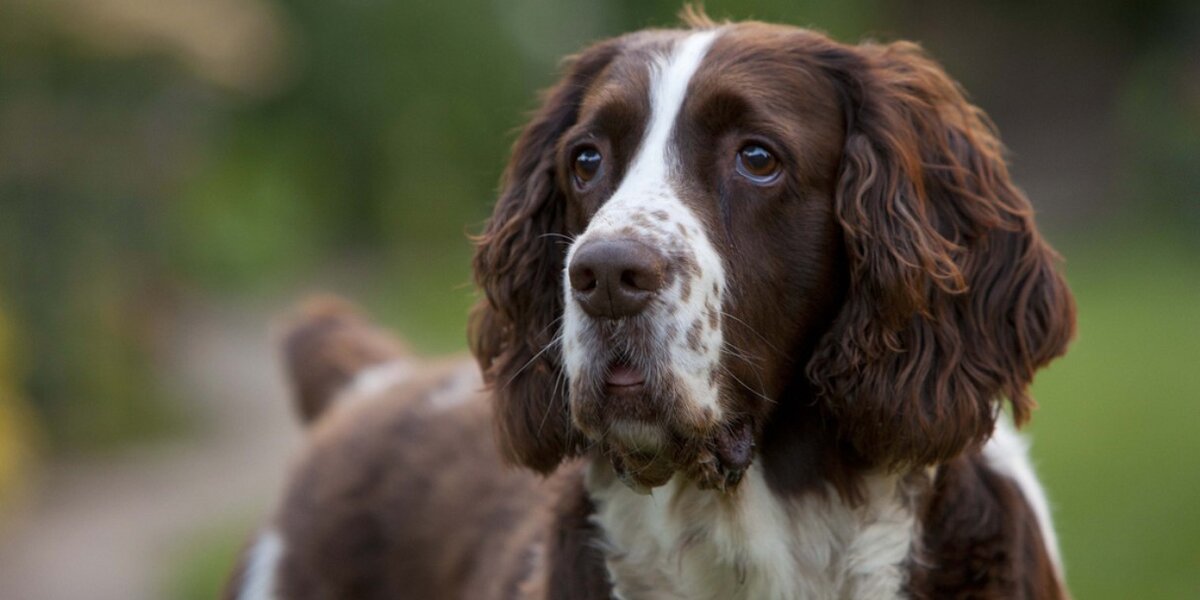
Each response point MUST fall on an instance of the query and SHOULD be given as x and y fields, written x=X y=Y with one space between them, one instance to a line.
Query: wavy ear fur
x=954 y=298
x=518 y=264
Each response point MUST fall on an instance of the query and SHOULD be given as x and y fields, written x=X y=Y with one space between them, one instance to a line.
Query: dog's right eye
x=757 y=164
x=586 y=165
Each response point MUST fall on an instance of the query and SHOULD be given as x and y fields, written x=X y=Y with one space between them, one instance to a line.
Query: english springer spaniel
x=752 y=302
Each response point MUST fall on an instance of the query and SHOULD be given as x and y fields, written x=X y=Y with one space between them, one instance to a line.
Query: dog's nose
x=616 y=278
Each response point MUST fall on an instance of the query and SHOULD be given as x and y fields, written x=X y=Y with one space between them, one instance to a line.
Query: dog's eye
x=586 y=164
x=757 y=164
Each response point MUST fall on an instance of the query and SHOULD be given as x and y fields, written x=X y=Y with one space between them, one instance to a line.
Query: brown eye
x=757 y=164
x=586 y=165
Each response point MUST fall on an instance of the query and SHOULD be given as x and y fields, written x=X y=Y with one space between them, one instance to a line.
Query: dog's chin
x=645 y=455
x=641 y=421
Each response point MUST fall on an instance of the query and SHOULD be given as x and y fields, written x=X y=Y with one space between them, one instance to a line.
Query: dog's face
x=702 y=223
x=699 y=204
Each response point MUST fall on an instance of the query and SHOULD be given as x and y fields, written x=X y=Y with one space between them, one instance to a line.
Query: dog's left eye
x=586 y=165
x=757 y=164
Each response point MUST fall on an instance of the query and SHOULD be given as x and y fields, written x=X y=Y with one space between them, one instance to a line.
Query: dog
x=752 y=302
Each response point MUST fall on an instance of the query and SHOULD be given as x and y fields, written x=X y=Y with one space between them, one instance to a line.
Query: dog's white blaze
x=649 y=194
x=754 y=545
x=1008 y=454
x=668 y=89
x=258 y=582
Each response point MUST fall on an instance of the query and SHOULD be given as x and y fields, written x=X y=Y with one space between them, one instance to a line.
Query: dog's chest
x=686 y=543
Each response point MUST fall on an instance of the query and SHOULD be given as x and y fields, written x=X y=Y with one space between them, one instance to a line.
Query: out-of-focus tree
x=17 y=426
x=104 y=106
x=1099 y=100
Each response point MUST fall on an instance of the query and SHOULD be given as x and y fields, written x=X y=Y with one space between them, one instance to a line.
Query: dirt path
x=110 y=528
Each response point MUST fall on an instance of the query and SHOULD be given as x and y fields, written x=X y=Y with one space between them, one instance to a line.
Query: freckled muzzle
x=642 y=389
x=641 y=335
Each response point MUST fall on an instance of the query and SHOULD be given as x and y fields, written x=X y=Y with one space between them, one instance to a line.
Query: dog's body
x=402 y=494
x=753 y=299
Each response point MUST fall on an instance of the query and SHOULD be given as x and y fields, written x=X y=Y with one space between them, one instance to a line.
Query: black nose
x=616 y=278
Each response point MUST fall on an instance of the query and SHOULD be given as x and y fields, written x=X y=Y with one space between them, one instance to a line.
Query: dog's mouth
x=623 y=378
x=639 y=417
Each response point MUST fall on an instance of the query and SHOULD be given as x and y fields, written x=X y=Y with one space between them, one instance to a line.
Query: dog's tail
x=325 y=345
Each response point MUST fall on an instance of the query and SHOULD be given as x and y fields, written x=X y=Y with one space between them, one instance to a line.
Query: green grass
x=1115 y=439
x=206 y=559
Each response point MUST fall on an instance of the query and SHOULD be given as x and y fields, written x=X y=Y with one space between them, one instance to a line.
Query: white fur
x=381 y=377
x=1008 y=454
x=258 y=582
x=753 y=545
x=648 y=201
x=457 y=389
x=373 y=381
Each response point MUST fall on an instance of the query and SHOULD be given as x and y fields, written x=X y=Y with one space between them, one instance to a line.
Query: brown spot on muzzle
x=693 y=338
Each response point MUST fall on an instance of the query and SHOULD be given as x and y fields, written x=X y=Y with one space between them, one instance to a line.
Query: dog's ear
x=518 y=264
x=954 y=299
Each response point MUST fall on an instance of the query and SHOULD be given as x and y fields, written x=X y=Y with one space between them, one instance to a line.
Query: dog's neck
x=683 y=542
x=809 y=520
x=791 y=534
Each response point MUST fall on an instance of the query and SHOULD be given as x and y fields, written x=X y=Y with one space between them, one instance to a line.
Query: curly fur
x=518 y=264
x=953 y=302
x=954 y=297
x=862 y=324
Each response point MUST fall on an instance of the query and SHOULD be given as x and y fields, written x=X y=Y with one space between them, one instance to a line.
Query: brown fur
x=954 y=297
x=518 y=269
x=324 y=345
x=884 y=301
x=932 y=295
x=390 y=500
x=394 y=498
x=981 y=539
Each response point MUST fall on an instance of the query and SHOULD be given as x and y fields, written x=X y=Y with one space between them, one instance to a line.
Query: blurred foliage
x=17 y=427
x=137 y=166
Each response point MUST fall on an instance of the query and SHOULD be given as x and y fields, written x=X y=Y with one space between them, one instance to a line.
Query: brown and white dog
x=753 y=299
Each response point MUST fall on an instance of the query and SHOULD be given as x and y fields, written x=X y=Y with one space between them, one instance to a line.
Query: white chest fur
x=682 y=542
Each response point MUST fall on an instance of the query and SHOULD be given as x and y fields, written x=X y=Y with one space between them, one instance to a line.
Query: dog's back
x=399 y=479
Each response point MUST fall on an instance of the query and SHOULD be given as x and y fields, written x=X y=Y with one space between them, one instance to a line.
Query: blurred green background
x=172 y=169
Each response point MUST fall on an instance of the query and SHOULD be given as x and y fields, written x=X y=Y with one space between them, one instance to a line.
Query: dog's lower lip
x=623 y=376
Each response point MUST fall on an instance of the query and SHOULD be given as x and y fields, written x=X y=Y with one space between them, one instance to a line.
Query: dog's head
x=700 y=226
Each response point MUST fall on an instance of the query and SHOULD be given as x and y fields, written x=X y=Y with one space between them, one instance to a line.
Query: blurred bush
x=17 y=427
x=150 y=152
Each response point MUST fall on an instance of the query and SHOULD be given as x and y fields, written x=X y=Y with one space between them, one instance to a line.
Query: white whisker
x=551 y=343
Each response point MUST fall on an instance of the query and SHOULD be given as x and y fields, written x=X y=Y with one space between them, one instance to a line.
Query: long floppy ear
x=518 y=264
x=954 y=299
